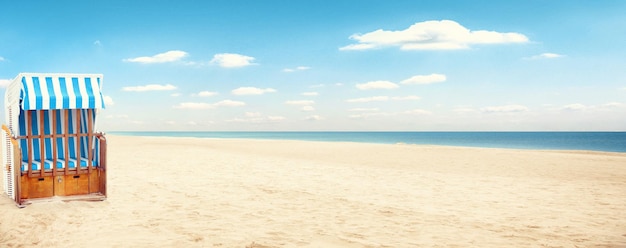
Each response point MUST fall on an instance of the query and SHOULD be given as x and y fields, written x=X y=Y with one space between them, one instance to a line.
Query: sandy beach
x=190 y=192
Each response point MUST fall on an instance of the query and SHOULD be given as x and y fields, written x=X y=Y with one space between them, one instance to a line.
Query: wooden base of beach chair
x=87 y=197
x=84 y=185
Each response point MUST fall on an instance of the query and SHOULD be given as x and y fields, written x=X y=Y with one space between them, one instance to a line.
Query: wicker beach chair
x=51 y=148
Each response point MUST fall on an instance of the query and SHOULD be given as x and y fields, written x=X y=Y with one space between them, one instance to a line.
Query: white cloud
x=175 y=94
x=232 y=60
x=425 y=79
x=317 y=86
x=251 y=91
x=108 y=101
x=574 y=107
x=405 y=98
x=4 y=83
x=169 y=56
x=229 y=103
x=546 y=56
x=150 y=87
x=369 y=99
x=363 y=110
x=97 y=43
x=307 y=108
x=300 y=102
x=432 y=35
x=505 y=109
x=1 y=58
x=299 y=68
x=310 y=94
x=377 y=85
x=192 y=123
x=206 y=93
x=194 y=105
x=313 y=118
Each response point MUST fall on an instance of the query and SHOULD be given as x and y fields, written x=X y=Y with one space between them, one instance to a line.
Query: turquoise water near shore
x=592 y=141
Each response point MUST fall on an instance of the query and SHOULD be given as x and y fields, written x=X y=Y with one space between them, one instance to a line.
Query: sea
x=590 y=141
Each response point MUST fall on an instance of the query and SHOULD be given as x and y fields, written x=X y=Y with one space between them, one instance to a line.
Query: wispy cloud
x=229 y=103
x=97 y=43
x=369 y=113
x=425 y=79
x=310 y=94
x=251 y=91
x=432 y=35
x=377 y=85
x=601 y=107
x=169 y=56
x=545 y=56
x=194 y=105
x=405 y=98
x=505 y=109
x=299 y=68
x=150 y=87
x=202 y=105
x=614 y=105
x=363 y=109
x=578 y=107
x=1 y=58
x=574 y=107
x=369 y=99
x=300 y=102
x=232 y=60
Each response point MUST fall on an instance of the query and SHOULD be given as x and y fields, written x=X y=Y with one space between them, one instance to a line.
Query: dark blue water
x=593 y=141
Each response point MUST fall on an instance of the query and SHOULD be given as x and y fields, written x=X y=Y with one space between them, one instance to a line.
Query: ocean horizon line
x=606 y=141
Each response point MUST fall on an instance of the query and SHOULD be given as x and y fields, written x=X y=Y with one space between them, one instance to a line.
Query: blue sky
x=333 y=65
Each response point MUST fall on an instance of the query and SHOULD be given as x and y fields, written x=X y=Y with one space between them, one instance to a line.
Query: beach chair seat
x=84 y=162
x=37 y=165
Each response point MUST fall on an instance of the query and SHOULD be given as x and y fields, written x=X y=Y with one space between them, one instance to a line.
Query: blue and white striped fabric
x=59 y=91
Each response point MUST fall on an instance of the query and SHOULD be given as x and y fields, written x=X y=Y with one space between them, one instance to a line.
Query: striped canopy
x=60 y=91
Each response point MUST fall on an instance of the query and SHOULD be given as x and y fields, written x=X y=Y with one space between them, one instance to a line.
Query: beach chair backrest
x=68 y=128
